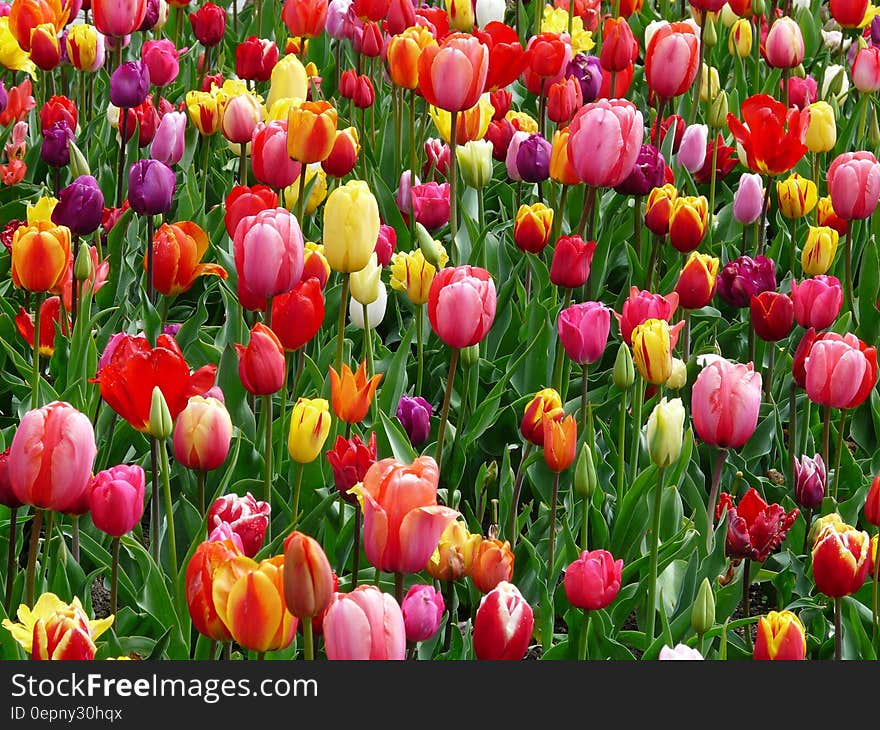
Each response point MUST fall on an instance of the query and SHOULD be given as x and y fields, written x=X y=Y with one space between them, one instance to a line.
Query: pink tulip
x=605 y=140
x=169 y=143
x=840 y=371
x=404 y=190
x=116 y=499
x=692 y=150
x=512 y=151
x=51 y=457
x=402 y=520
x=269 y=158
x=725 y=400
x=503 y=624
x=202 y=433
x=422 y=610
x=269 y=253
x=118 y=17
x=161 y=58
x=785 y=44
x=641 y=306
x=866 y=69
x=430 y=203
x=854 y=184
x=593 y=580
x=748 y=200
x=247 y=517
x=583 y=331
x=461 y=305
x=817 y=301
x=364 y=624
x=240 y=117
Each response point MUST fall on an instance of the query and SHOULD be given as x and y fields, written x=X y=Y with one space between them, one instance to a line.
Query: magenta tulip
x=605 y=140
x=593 y=580
x=461 y=305
x=364 y=624
x=422 y=611
x=583 y=331
x=817 y=301
x=161 y=58
x=854 y=184
x=115 y=18
x=725 y=400
x=116 y=499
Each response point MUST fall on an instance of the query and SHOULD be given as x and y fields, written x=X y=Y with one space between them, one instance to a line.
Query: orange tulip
x=561 y=169
x=26 y=15
x=403 y=55
x=493 y=563
x=177 y=250
x=249 y=600
x=352 y=393
x=308 y=579
x=40 y=257
x=546 y=405
x=208 y=557
x=311 y=131
x=560 y=440
x=50 y=316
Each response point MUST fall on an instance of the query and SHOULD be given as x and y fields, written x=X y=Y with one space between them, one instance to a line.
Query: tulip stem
x=585 y=379
x=826 y=439
x=33 y=549
x=792 y=428
x=267 y=458
x=412 y=164
x=712 y=175
x=151 y=288
x=356 y=559
x=747 y=608
x=768 y=381
x=301 y=197
x=398 y=588
x=621 y=449
x=206 y=144
x=420 y=347
x=368 y=345
x=587 y=214
x=200 y=481
x=582 y=639
x=114 y=576
x=453 y=189
x=850 y=302
x=120 y=167
x=512 y=532
x=343 y=305
x=808 y=517
x=686 y=335
x=713 y=495
x=294 y=510
x=551 y=549
x=638 y=400
x=875 y=594
x=35 y=382
x=10 y=558
x=288 y=358
x=308 y=640
x=559 y=362
x=444 y=413
x=585 y=537
x=838 y=630
x=242 y=165
x=651 y=606
x=154 y=499
x=169 y=517
x=841 y=445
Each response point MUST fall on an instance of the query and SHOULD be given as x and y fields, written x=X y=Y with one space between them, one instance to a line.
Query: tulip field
x=445 y=330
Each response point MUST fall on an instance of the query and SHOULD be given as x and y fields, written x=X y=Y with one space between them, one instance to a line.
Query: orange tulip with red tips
x=311 y=131
x=208 y=557
x=771 y=135
x=249 y=600
x=352 y=393
x=781 y=636
x=177 y=250
x=50 y=315
x=560 y=440
x=403 y=55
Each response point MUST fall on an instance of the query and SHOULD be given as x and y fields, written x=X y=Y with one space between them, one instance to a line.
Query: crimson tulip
x=772 y=315
x=755 y=529
x=593 y=580
x=503 y=624
x=771 y=135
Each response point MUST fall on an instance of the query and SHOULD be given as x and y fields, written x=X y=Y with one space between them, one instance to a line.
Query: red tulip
x=840 y=560
x=671 y=60
x=298 y=315
x=208 y=24
x=755 y=529
x=364 y=624
x=840 y=371
x=781 y=636
x=503 y=624
x=854 y=183
x=269 y=159
x=261 y=363
x=620 y=49
x=243 y=201
x=461 y=305
x=305 y=18
x=563 y=100
x=255 y=58
x=177 y=252
x=593 y=580
x=50 y=316
x=849 y=13
x=507 y=58
x=58 y=109
x=772 y=315
x=771 y=135
x=7 y=494
x=350 y=459
x=548 y=58
x=725 y=400
x=872 y=503
x=571 y=261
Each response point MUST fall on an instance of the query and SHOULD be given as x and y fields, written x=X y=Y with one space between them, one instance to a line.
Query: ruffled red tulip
x=593 y=580
x=755 y=529
x=503 y=624
x=725 y=401
x=350 y=459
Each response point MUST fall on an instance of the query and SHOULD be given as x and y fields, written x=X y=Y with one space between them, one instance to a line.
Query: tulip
x=249 y=599
x=744 y=278
x=243 y=201
x=647 y=173
x=697 y=281
x=545 y=406
x=351 y=226
x=461 y=305
x=528 y=158
x=665 y=432
x=560 y=439
x=641 y=306
x=364 y=624
x=151 y=186
x=772 y=137
x=55 y=148
x=583 y=331
x=817 y=301
x=588 y=72
x=822 y=132
x=412 y=274
x=308 y=578
x=270 y=236
x=422 y=610
x=840 y=373
x=298 y=315
x=344 y=155
x=784 y=47
x=129 y=84
x=872 y=503
x=854 y=183
x=311 y=131
x=802 y=92
x=431 y=204
x=596 y=130
x=671 y=59
x=255 y=58
x=261 y=364
x=531 y=228
x=692 y=151
x=352 y=393
x=118 y=19
x=40 y=256
x=739 y=41
x=865 y=69
x=309 y=428
x=454 y=555
x=239 y=118
x=202 y=434
x=56 y=630
x=658 y=208
x=350 y=459
x=840 y=560
x=208 y=24
x=652 y=350
x=490 y=561
x=366 y=283
x=563 y=99
x=503 y=624
x=248 y=519
x=50 y=316
x=819 y=250
x=688 y=222
x=772 y=315
x=169 y=143
x=161 y=59
x=572 y=257
x=177 y=250
x=289 y=81
x=754 y=528
x=85 y=47
x=475 y=163
x=414 y=415
x=725 y=401
x=204 y=111
x=200 y=571
x=680 y=652
x=826 y=216
x=619 y=46
x=810 y=479
x=116 y=499
x=315 y=267
x=797 y=196
x=781 y=636
x=269 y=159
x=51 y=457
x=404 y=50
x=593 y=580
x=375 y=313
x=401 y=536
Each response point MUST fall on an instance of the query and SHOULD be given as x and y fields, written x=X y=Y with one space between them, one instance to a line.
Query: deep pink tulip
x=503 y=624
x=161 y=58
x=269 y=158
x=840 y=373
x=422 y=611
x=268 y=250
x=583 y=331
x=784 y=46
x=51 y=457
x=642 y=305
x=865 y=69
x=854 y=184
x=115 y=18
x=461 y=305
x=170 y=140
x=402 y=520
x=247 y=517
x=725 y=400
x=817 y=301
x=430 y=203
x=593 y=580
x=116 y=499
x=364 y=624
x=605 y=140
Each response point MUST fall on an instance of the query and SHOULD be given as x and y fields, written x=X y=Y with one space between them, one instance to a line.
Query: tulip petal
x=420 y=532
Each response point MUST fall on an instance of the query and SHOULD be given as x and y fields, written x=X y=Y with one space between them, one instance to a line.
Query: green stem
x=747 y=608
x=512 y=532
x=838 y=630
x=638 y=400
x=621 y=449
x=655 y=545
x=151 y=287
x=420 y=347
x=444 y=414
x=154 y=499
x=559 y=361
x=35 y=374
x=585 y=536
x=47 y=542
x=308 y=640
x=340 y=330
x=792 y=429
x=356 y=562
x=33 y=549
x=368 y=343
x=120 y=167
x=826 y=440
x=551 y=550
x=712 y=170
x=201 y=475
x=242 y=164
x=850 y=301
x=584 y=385
x=169 y=516
x=294 y=510
x=713 y=495
x=206 y=144
x=582 y=639
x=840 y=447
x=267 y=458
x=114 y=576
x=10 y=558
x=301 y=196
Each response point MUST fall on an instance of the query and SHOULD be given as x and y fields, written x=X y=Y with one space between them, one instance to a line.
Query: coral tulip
x=177 y=250
x=461 y=305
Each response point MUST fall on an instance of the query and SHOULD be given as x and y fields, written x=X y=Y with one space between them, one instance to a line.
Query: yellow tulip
x=351 y=226
x=411 y=273
x=309 y=428
x=819 y=250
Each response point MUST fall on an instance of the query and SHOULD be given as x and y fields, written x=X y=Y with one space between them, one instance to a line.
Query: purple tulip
x=80 y=206
x=648 y=173
x=169 y=142
x=692 y=150
x=4 y=99
x=415 y=416
x=55 y=150
x=809 y=481
x=151 y=17
x=588 y=71
x=744 y=278
x=129 y=84
x=748 y=200
x=151 y=187
x=404 y=190
x=533 y=159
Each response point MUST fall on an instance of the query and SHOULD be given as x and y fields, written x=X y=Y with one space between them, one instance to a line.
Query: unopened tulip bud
x=718 y=111
x=365 y=284
x=758 y=7
x=82 y=267
x=873 y=128
x=585 y=478
x=624 y=373
x=431 y=249
x=679 y=375
x=161 y=424
x=710 y=35
x=665 y=432
x=835 y=85
x=703 y=612
x=470 y=356
x=78 y=164
x=739 y=41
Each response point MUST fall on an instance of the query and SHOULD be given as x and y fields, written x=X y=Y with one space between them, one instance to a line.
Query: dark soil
x=100 y=600
x=762 y=600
